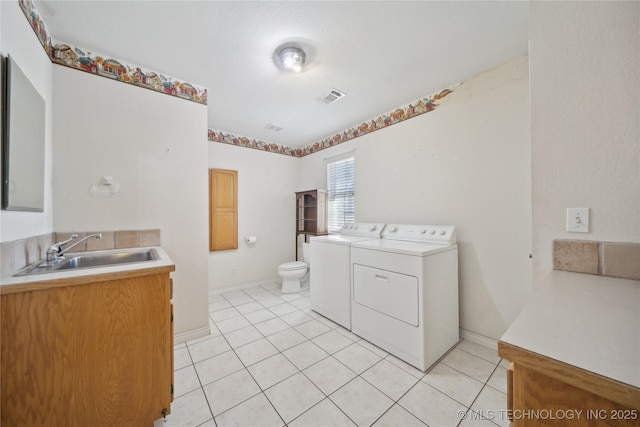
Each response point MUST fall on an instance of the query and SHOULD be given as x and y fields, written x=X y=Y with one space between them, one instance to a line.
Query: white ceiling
x=382 y=54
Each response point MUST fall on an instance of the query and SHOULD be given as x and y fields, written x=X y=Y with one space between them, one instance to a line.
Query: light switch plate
x=578 y=220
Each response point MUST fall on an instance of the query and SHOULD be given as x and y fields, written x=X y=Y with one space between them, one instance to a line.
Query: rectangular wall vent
x=273 y=127
x=333 y=95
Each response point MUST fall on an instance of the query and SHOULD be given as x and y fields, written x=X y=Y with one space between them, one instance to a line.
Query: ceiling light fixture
x=291 y=58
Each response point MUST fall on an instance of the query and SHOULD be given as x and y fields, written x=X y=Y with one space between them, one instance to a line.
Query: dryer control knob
x=372 y=228
x=423 y=232
x=432 y=232
x=443 y=232
x=393 y=229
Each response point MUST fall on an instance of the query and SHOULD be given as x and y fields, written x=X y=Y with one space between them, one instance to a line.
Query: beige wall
x=266 y=209
x=154 y=146
x=585 y=121
x=19 y=41
x=466 y=164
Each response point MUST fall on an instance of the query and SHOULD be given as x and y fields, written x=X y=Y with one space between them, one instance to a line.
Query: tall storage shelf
x=311 y=214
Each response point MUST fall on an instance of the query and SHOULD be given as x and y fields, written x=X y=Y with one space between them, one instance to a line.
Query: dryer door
x=387 y=292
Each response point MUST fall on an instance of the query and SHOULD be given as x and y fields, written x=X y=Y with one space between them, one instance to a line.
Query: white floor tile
x=331 y=341
x=272 y=326
x=405 y=366
x=492 y=403
x=469 y=364
x=185 y=380
x=305 y=354
x=324 y=414
x=294 y=396
x=259 y=316
x=279 y=341
x=357 y=358
x=301 y=303
x=272 y=370
x=218 y=367
x=232 y=324
x=290 y=297
x=219 y=305
x=233 y=294
x=498 y=379
x=431 y=406
x=286 y=339
x=474 y=419
x=282 y=309
x=181 y=358
x=189 y=410
x=271 y=301
x=453 y=383
x=240 y=300
x=224 y=314
x=389 y=379
x=249 y=307
x=362 y=402
x=263 y=294
x=312 y=329
x=273 y=285
x=484 y=352
x=296 y=318
x=255 y=351
x=231 y=390
x=373 y=348
x=398 y=416
x=325 y=321
x=208 y=348
x=256 y=411
x=209 y=423
x=243 y=336
x=329 y=375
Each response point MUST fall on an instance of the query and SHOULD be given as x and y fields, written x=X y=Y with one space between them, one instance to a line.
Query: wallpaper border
x=409 y=111
x=102 y=65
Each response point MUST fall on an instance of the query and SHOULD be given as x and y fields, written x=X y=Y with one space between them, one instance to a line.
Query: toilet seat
x=293 y=265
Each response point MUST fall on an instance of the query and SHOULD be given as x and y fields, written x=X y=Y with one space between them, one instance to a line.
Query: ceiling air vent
x=333 y=95
x=273 y=127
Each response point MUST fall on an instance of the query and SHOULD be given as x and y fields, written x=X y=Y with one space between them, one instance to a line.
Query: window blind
x=341 y=193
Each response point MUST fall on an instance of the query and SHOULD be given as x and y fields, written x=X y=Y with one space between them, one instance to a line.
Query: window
x=341 y=192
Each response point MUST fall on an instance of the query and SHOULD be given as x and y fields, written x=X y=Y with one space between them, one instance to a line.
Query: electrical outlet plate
x=578 y=220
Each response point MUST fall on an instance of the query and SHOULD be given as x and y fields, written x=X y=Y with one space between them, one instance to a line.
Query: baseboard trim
x=191 y=334
x=239 y=287
x=479 y=339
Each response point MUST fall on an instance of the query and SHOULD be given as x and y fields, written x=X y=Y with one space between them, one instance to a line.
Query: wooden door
x=223 y=209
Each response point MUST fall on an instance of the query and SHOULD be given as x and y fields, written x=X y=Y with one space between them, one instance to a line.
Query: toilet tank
x=306 y=252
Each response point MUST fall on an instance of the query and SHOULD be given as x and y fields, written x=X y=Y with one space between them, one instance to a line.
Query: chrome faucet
x=55 y=252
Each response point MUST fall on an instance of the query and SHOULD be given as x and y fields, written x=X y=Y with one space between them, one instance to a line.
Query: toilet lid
x=293 y=265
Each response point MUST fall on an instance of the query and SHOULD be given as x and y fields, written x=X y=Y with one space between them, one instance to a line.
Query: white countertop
x=163 y=261
x=591 y=322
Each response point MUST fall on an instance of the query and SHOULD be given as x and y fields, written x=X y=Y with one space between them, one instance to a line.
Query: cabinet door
x=223 y=209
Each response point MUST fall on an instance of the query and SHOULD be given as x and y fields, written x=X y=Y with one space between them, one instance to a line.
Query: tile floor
x=272 y=361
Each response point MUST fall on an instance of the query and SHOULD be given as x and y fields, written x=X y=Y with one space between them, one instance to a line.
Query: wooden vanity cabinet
x=543 y=392
x=88 y=351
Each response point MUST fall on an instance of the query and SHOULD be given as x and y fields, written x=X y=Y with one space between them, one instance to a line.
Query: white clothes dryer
x=405 y=292
x=330 y=279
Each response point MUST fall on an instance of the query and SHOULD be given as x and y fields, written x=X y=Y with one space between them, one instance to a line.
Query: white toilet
x=295 y=274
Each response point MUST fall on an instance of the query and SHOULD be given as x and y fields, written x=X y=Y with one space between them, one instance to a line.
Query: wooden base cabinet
x=546 y=392
x=95 y=354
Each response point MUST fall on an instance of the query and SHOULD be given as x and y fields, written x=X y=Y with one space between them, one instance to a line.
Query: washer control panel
x=443 y=234
x=362 y=229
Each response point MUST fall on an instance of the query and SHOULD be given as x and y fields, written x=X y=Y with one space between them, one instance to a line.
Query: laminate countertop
x=13 y=284
x=590 y=322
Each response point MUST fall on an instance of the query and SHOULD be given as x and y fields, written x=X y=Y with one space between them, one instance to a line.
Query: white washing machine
x=405 y=292
x=331 y=270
